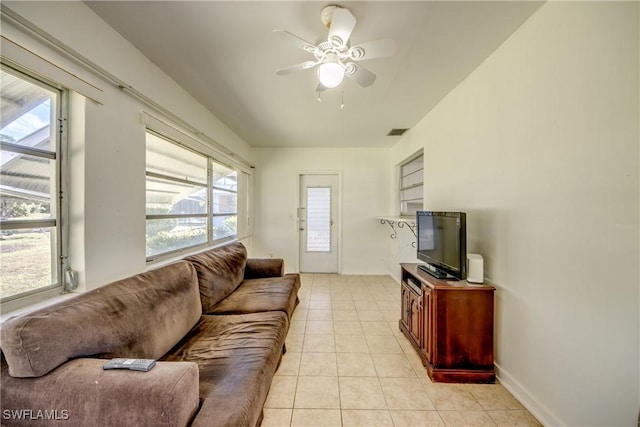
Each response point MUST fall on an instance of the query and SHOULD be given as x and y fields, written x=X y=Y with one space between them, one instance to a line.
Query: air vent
x=397 y=132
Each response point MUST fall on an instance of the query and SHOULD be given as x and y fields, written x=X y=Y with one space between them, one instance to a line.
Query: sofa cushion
x=220 y=272
x=263 y=267
x=81 y=393
x=257 y=295
x=142 y=316
x=237 y=356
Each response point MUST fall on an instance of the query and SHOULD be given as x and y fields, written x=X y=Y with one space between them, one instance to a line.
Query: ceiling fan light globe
x=330 y=74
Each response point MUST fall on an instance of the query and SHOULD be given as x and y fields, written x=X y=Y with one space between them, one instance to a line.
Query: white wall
x=108 y=148
x=365 y=189
x=540 y=147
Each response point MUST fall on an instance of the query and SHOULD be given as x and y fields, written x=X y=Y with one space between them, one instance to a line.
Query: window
x=224 y=201
x=411 y=186
x=191 y=199
x=31 y=252
x=319 y=219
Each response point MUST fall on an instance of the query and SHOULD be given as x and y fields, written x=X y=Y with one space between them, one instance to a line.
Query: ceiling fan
x=334 y=57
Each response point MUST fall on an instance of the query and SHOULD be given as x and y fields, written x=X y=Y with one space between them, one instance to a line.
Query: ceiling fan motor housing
x=327 y=14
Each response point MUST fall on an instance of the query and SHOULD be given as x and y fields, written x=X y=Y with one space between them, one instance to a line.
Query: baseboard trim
x=537 y=409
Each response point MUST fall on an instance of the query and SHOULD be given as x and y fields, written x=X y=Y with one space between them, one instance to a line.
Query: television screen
x=441 y=243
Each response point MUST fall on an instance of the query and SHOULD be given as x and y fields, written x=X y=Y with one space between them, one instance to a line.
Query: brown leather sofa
x=216 y=322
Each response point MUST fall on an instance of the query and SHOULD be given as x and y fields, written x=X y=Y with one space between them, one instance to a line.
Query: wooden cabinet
x=450 y=324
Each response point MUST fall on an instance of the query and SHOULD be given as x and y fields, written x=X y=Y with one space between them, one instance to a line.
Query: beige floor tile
x=294 y=343
x=517 y=417
x=361 y=393
x=320 y=294
x=316 y=418
x=318 y=364
x=322 y=327
x=276 y=417
x=282 y=392
x=493 y=397
x=355 y=365
x=300 y=314
x=416 y=418
x=345 y=314
x=344 y=327
x=466 y=419
x=317 y=392
x=320 y=304
x=351 y=344
x=366 y=418
x=393 y=325
x=405 y=393
x=391 y=315
x=452 y=397
x=340 y=294
x=342 y=304
x=375 y=328
x=406 y=345
x=383 y=344
x=320 y=315
x=365 y=303
x=370 y=315
x=319 y=344
x=290 y=364
x=392 y=365
x=363 y=297
x=297 y=327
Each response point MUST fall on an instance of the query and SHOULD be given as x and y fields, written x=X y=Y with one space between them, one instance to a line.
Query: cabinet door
x=405 y=310
x=415 y=321
x=428 y=324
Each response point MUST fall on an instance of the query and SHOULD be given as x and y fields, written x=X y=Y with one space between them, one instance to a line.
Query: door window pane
x=319 y=219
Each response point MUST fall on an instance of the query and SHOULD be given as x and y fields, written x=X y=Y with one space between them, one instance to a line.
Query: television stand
x=435 y=272
x=450 y=325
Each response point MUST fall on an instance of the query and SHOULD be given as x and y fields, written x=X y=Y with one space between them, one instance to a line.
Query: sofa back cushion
x=220 y=272
x=142 y=316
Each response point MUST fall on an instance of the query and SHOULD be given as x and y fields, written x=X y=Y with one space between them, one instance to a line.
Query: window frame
x=401 y=188
x=58 y=222
x=209 y=215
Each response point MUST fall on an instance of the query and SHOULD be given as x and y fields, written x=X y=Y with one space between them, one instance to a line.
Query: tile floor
x=347 y=364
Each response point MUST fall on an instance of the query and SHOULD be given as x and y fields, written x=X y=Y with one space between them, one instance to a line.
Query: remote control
x=144 y=365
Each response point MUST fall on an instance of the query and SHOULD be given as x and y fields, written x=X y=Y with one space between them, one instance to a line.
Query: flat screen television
x=442 y=244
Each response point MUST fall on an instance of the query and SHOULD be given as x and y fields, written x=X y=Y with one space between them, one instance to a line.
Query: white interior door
x=317 y=219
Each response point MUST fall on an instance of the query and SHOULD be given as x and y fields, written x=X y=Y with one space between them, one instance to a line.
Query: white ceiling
x=225 y=54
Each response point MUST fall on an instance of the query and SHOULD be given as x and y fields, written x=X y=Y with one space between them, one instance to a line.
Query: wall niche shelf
x=400 y=222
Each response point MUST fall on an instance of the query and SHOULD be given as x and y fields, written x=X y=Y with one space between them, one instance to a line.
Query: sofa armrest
x=80 y=392
x=264 y=267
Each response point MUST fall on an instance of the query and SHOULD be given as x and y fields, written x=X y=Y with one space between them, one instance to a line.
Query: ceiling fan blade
x=361 y=75
x=374 y=49
x=342 y=24
x=298 y=67
x=300 y=42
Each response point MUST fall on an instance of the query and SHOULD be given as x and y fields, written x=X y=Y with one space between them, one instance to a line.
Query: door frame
x=338 y=173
